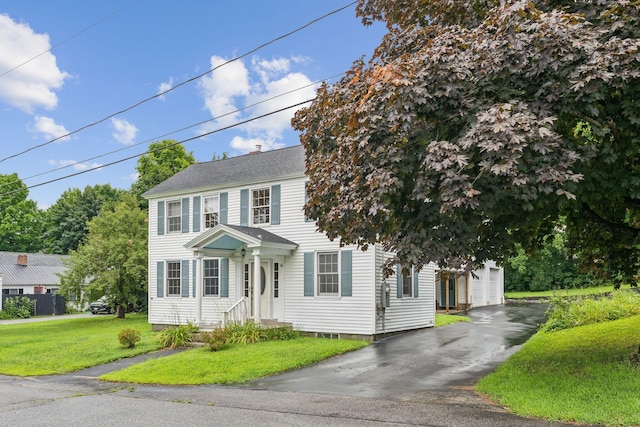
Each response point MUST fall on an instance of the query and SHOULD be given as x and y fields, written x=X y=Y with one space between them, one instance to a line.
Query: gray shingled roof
x=261 y=234
x=234 y=170
x=41 y=269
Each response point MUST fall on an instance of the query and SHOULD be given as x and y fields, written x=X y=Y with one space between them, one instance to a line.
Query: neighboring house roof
x=250 y=167
x=40 y=269
x=33 y=275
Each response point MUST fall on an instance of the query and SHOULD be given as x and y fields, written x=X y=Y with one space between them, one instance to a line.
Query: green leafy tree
x=113 y=259
x=21 y=222
x=67 y=220
x=164 y=159
x=458 y=138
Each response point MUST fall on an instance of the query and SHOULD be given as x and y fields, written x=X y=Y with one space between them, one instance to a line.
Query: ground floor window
x=173 y=278
x=246 y=280
x=13 y=291
x=276 y=279
x=328 y=278
x=407 y=282
x=211 y=277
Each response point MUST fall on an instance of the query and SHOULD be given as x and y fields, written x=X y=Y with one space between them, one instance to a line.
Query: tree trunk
x=121 y=311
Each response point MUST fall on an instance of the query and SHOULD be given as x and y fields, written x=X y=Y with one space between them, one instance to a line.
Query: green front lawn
x=236 y=364
x=581 y=374
x=60 y=346
x=450 y=319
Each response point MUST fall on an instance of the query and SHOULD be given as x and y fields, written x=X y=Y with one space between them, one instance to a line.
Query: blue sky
x=107 y=56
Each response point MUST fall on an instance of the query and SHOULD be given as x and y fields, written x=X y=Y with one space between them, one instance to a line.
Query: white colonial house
x=229 y=241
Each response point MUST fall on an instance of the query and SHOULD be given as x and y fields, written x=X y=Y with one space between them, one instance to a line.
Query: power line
x=172 y=132
x=192 y=79
x=158 y=149
x=69 y=38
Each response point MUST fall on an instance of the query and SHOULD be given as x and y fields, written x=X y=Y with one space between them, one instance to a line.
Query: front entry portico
x=249 y=250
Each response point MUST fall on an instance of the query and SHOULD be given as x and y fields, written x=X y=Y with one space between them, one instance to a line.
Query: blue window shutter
x=224 y=278
x=275 y=204
x=185 y=215
x=416 y=282
x=399 y=281
x=308 y=274
x=160 y=218
x=184 y=280
x=193 y=278
x=345 y=273
x=196 y=214
x=224 y=208
x=160 y=279
x=244 y=207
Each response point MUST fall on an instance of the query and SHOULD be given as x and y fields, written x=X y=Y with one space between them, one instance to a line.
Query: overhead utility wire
x=182 y=83
x=69 y=38
x=170 y=133
x=157 y=149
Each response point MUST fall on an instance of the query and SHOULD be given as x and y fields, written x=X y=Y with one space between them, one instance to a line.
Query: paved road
x=420 y=378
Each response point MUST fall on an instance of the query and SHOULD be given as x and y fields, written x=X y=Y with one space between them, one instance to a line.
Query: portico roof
x=225 y=239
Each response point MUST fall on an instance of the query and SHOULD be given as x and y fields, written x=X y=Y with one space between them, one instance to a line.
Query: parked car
x=101 y=306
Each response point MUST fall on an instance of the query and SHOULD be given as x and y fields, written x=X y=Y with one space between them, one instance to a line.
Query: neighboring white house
x=30 y=273
x=229 y=240
x=464 y=290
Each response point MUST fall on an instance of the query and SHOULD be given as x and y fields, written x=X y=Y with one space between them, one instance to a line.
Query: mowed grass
x=580 y=374
x=61 y=346
x=235 y=364
x=450 y=319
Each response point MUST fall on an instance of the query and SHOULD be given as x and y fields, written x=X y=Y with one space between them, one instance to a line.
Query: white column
x=198 y=295
x=256 y=286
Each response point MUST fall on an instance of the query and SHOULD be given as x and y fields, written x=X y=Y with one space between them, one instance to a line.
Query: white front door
x=265 y=284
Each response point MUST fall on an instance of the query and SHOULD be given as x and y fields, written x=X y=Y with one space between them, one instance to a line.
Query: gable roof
x=41 y=269
x=249 y=167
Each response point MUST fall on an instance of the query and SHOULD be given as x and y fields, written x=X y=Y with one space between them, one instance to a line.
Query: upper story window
x=260 y=204
x=211 y=211
x=174 y=216
x=328 y=277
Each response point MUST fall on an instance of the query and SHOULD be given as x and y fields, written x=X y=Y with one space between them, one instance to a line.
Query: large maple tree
x=479 y=124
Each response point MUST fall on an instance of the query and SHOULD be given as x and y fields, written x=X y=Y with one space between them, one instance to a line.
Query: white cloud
x=235 y=86
x=31 y=85
x=221 y=87
x=163 y=87
x=123 y=131
x=74 y=164
x=49 y=128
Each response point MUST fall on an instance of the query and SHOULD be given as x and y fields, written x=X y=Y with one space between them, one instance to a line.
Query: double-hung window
x=173 y=278
x=211 y=211
x=260 y=205
x=407 y=282
x=211 y=277
x=328 y=273
x=174 y=216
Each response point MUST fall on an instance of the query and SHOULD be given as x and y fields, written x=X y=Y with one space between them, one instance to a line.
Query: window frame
x=215 y=279
x=168 y=277
x=276 y=280
x=325 y=274
x=169 y=217
x=216 y=211
x=410 y=279
x=263 y=210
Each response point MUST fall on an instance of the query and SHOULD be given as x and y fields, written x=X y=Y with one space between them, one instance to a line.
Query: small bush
x=564 y=313
x=129 y=337
x=216 y=339
x=178 y=336
x=17 y=307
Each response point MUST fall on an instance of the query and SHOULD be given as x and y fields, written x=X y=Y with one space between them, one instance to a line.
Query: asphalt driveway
x=419 y=378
